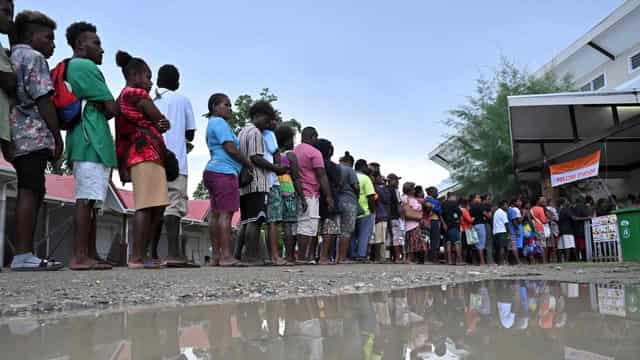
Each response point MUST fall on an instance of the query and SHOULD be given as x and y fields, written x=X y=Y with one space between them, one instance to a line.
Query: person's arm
x=153 y=113
x=110 y=108
x=295 y=176
x=261 y=162
x=467 y=217
x=8 y=81
x=190 y=133
x=371 y=200
x=321 y=174
x=231 y=149
x=48 y=112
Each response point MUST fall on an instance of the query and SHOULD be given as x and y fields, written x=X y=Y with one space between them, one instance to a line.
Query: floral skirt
x=414 y=242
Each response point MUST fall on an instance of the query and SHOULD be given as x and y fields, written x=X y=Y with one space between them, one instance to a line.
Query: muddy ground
x=67 y=292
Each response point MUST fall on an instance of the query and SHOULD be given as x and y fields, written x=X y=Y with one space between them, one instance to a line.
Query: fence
x=602 y=239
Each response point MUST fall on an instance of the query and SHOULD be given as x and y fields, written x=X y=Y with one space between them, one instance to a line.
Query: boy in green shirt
x=90 y=146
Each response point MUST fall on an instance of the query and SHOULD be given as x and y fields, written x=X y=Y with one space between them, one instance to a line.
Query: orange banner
x=574 y=170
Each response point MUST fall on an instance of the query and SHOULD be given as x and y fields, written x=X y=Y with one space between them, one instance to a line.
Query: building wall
x=616 y=72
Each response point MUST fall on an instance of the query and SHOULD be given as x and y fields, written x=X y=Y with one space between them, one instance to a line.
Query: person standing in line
x=221 y=178
x=581 y=211
x=329 y=220
x=476 y=211
x=436 y=221
x=254 y=196
x=553 y=217
x=35 y=132
x=541 y=223
x=139 y=148
x=314 y=181
x=348 y=193
x=383 y=203
x=395 y=229
x=291 y=188
x=515 y=228
x=178 y=110
x=500 y=231
x=274 y=202
x=451 y=215
x=7 y=77
x=90 y=146
x=412 y=215
x=487 y=208
x=566 y=223
x=466 y=225
x=365 y=222
x=425 y=223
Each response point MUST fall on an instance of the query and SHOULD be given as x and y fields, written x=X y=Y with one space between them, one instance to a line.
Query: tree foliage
x=241 y=117
x=483 y=161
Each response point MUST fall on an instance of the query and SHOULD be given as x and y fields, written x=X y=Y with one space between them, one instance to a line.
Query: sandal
x=43 y=265
x=237 y=263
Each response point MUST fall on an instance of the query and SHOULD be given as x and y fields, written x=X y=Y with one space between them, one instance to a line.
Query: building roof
x=551 y=128
x=614 y=34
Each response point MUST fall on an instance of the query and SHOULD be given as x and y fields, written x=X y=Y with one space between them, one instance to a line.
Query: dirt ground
x=68 y=293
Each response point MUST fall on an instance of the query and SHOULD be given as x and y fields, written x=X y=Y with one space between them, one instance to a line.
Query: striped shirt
x=251 y=144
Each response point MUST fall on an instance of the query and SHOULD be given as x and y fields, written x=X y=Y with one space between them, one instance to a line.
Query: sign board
x=574 y=170
x=604 y=228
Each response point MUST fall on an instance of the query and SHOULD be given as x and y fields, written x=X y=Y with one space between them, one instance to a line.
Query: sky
x=377 y=78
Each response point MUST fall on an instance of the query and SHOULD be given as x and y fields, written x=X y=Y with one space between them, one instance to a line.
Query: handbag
x=472 y=237
x=246 y=176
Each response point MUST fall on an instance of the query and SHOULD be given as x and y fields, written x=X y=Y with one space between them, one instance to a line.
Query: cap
x=393 y=176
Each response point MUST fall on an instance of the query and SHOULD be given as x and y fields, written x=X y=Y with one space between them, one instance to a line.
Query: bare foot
x=324 y=262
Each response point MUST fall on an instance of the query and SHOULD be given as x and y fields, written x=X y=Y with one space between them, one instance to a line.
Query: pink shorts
x=224 y=192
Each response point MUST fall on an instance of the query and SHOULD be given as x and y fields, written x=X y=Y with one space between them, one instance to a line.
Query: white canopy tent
x=552 y=128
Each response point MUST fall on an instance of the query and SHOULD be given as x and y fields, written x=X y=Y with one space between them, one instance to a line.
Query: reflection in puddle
x=482 y=320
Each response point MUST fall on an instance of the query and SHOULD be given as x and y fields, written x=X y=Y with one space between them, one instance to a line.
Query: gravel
x=67 y=292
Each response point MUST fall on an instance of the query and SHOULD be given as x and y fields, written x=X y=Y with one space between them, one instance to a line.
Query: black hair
x=451 y=194
x=361 y=165
x=76 y=29
x=503 y=202
x=326 y=148
x=308 y=133
x=214 y=101
x=347 y=158
x=27 y=22
x=431 y=190
x=168 y=77
x=419 y=190
x=130 y=65
x=262 y=108
x=285 y=135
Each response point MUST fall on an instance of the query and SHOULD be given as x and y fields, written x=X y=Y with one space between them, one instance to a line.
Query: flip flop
x=95 y=267
x=181 y=265
x=238 y=264
x=44 y=265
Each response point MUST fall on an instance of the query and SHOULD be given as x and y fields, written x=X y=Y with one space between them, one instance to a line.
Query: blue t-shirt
x=218 y=133
x=437 y=207
x=515 y=214
x=270 y=149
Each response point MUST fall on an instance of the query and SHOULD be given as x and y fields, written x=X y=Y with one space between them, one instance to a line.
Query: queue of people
x=328 y=212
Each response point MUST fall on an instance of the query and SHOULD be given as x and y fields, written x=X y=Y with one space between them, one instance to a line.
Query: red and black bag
x=68 y=106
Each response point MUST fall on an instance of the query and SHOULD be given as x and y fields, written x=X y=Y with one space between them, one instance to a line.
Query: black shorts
x=30 y=169
x=253 y=207
x=502 y=240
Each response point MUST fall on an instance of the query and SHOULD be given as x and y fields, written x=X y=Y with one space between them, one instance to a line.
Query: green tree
x=483 y=161
x=241 y=117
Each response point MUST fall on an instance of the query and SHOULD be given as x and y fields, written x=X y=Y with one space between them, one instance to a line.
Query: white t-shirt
x=178 y=110
x=500 y=218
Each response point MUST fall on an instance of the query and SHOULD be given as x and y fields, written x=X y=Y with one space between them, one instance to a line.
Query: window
x=634 y=62
x=595 y=84
x=598 y=83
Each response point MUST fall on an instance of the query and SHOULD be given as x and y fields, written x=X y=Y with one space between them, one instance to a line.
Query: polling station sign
x=575 y=170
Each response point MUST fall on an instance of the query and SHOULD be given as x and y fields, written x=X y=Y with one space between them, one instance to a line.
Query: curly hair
x=262 y=108
x=76 y=29
x=27 y=22
x=285 y=135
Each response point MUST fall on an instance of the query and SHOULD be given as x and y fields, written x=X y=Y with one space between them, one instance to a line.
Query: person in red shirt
x=541 y=223
x=139 y=147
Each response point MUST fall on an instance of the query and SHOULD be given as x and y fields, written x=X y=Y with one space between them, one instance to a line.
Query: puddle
x=506 y=319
